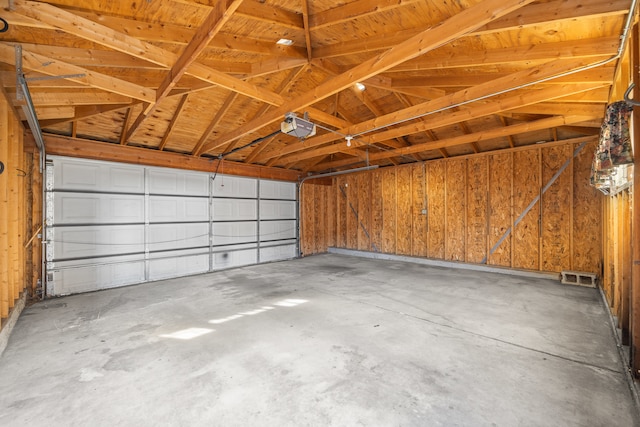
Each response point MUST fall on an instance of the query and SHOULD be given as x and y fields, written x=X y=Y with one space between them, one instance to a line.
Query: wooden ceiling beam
x=595 y=75
x=449 y=30
x=499 y=85
x=307 y=32
x=485 y=135
x=353 y=162
x=45 y=113
x=74 y=147
x=587 y=48
x=209 y=28
x=170 y=33
x=532 y=14
x=83 y=97
x=53 y=67
x=85 y=112
x=89 y=30
x=475 y=111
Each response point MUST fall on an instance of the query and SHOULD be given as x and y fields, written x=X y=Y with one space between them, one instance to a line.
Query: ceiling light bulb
x=348 y=138
x=285 y=42
x=360 y=87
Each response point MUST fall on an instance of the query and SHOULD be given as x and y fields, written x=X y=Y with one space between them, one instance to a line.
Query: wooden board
x=526 y=187
x=5 y=117
x=456 y=209
x=308 y=223
x=342 y=211
x=436 y=209
x=404 y=214
x=375 y=230
x=556 y=206
x=331 y=213
x=587 y=215
x=389 y=206
x=419 y=204
x=364 y=211
x=320 y=208
x=477 y=206
x=351 y=212
x=500 y=215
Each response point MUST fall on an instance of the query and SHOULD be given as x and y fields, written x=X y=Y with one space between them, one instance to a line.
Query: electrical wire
x=221 y=156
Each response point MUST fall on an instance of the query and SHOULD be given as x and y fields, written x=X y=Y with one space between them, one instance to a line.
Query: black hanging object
x=1 y=167
x=5 y=26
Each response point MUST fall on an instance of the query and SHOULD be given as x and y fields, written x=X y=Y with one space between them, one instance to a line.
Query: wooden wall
x=616 y=277
x=458 y=209
x=20 y=213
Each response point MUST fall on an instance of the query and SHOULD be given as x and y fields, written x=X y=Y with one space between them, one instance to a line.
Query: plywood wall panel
x=456 y=182
x=436 y=209
x=404 y=225
x=5 y=254
x=351 y=212
x=320 y=226
x=375 y=231
x=471 y=203
x=556 y=207
x=419 y=204
x=389 y=207
x=526 y=187
x=477 y=209
x=500 y=220
x=331 y=214
x=587 y=215
x=342 y=206
x=456 y=209
x=364 y=211
x=308 y=223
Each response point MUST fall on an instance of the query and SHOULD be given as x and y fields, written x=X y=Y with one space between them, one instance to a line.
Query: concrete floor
x=323 y=341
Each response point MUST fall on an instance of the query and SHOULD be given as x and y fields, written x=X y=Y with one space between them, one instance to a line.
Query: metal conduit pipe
x=322 y=175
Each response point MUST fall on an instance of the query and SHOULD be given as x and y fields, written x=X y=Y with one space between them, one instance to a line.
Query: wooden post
x=635 y=279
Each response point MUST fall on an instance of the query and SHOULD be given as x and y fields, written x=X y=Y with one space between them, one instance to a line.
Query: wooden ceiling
x=201 y=77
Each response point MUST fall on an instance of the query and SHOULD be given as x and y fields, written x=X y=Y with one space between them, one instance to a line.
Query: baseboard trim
x=446 y=264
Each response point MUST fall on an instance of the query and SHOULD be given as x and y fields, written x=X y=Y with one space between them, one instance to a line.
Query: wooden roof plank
x=172 y=123
x=449 y=30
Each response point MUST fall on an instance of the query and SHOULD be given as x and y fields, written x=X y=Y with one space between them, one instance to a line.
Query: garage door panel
x=97 y=241
x=234 y=209
x=164 y=237
x=177 y=263
x=96 y=208
x=277 y=209
x=71 y=277
x=232 y=257
x=235 y=186
x=277 y=230
x=112 y=224
x=277 y=190
x=226 y=233
x=95 y=176
x=277 y=253
x=166 y=181
x=178 y=209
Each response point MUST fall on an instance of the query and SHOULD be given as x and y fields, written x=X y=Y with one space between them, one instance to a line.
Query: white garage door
x=110 y=224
